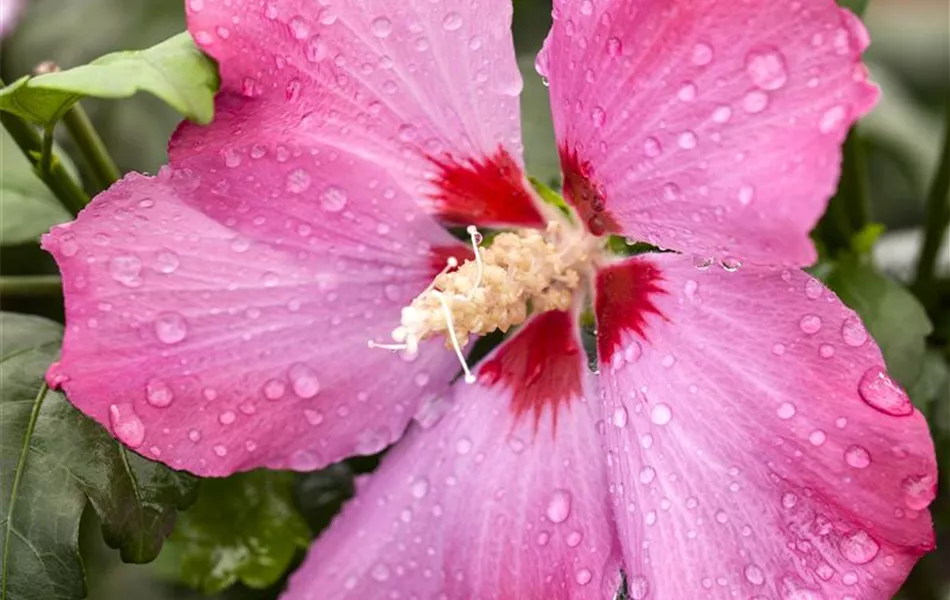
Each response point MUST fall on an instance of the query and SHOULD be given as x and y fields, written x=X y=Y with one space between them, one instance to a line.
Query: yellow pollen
x=540 y=268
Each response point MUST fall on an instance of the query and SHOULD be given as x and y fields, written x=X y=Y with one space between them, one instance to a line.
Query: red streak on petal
x=486 y=191
x=541 y=365
x=585 y=193
x=625 y=294
x=439 y=256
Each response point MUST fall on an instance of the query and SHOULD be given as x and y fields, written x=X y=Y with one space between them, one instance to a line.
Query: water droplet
x=832 y=120
x=614 y=46
x=813 y=289
x=298 y=181
x=220 y=450
x=853 y=332
x=687 y=92
x=767 y=69
x=702 y=55
x=583 y=576
x=463 y=446
x=858 y=547
x=274 y=389
x=857 y=456
x=452 y=21
x=687 y=140
x=299 y=27
x=574 y=539
x=647 y=475
x=810 y=324
x=227 y=417
x=194 y=435
x=722 y=114
x=126 y=270
x=157 y=393
x=919 y=491
x=638 y=587
x=817 y=437
x=126 y=425
x=543 y=538
x=746 y=193
x=598 y=116
x=881 y=392
x=786 y=410
x=382 y=27
x=380 y=572
x=167 y=262
x=652 y=147
x=304 y=380
x=559 y=506
x=754 y=575
x=661 y=414
x=755 y=102
x=826 y=351
x=333 y=198
x=619 y=417
x=419 y=488
x=170 y=328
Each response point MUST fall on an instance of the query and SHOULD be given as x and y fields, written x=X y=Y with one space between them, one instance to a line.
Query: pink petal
x=708 y=126
x=428 y=89
x=218 y=316
x=482 y=505
x=761 y=450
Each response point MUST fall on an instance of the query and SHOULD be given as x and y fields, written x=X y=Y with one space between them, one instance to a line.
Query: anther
x=450 y=328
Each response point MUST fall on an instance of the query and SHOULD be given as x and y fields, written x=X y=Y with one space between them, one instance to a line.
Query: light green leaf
x=54 y=462
x=29 y=209
x=540 y=147
x=856 y=6
x=174 y=71
x=892 y=315
x=245 y=528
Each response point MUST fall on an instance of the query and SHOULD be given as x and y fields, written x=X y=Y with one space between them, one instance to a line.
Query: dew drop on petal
x=170 y=328
x=857 y=456
x=882 y=393
x=832 y=120
x=303 y=380
x=333 y=198
x=647 y=475
x=661 y=414
x=702 y=55
x=619 y=417
x=583 y=576
x=813 y=289
x=274 y=389
x=126 y=425
x=452 y=21
x=382 y=27
x=419 y=488
x=786 y=410
x=126 y=270
x=767 y=69
x=754 y=575
x=638 y=587
x=755 y=102
x=858 y=547
x=157 y=393
x=853 y=332
x=810 y=324
x=559 y=506
x=919 y=491
x=298 y=181
x=652 y=147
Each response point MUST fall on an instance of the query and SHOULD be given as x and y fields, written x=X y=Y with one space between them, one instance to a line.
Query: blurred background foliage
x=246 y=533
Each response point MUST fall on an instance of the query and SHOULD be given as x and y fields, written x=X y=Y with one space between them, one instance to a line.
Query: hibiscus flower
x=740 y=436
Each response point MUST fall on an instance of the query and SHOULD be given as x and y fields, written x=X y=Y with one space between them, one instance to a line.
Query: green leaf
x=29 y=209
x=931 y=391
x=55 y=462
x=245 y=528
x=540 y=147
x=856 y=6
x=174 y=71
x=892 y=315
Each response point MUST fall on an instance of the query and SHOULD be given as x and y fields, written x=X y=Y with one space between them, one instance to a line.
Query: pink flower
x=740 y=438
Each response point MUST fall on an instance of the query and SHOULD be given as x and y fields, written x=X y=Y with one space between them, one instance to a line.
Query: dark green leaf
x=891 y=314
x=174 y=71
x=55 y=461
x=932 y=388
x=245 y=528
x=856 y=6
x=29 y=209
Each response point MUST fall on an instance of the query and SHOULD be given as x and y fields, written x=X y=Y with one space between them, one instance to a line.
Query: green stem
x=936 y=218
x=30 y=285
x=24 y=452
x=46 y=150
x=56 y=178
x=90 y=144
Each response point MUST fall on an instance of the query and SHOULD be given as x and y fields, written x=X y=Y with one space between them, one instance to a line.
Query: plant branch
x=30 y=285
x=80 y=128
x=936 y=219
